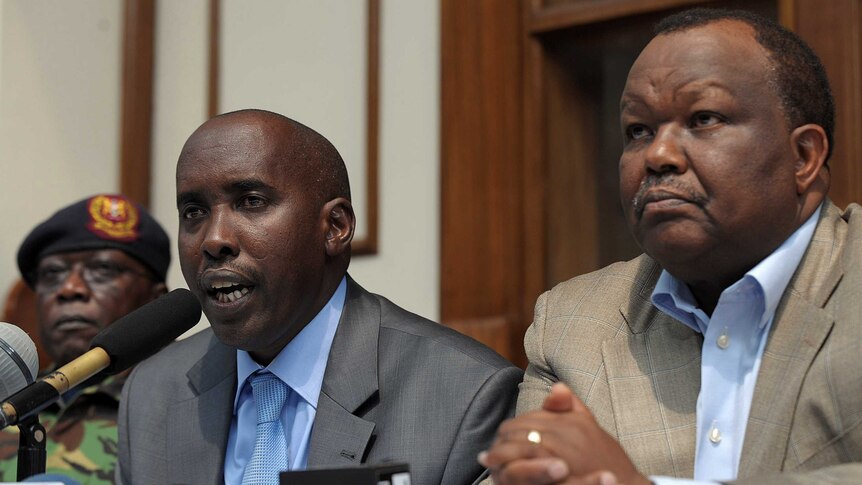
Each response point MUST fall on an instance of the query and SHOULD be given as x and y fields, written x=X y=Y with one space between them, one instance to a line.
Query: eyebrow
x=628 y=102
x=629 y=98
x=244 y=185
x=186 y=197
x=249 y=184
x=692 y=91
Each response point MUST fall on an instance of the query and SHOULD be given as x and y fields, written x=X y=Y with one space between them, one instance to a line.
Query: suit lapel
x=799 y=330
x=795 y=341
x=198 y=428
x=657 y=366
x=340 y=437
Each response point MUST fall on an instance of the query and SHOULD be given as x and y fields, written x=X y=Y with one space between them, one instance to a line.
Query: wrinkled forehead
x=724 y=51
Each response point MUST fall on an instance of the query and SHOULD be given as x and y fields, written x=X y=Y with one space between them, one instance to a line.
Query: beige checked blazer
x=638 y=370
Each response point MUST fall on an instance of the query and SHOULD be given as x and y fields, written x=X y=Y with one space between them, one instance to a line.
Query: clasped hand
x=560 y=444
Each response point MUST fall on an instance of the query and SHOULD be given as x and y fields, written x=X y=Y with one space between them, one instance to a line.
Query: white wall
x=59 y=119
x=179 y=106
x=59 y=111
x=277 y=55
x=407 y=268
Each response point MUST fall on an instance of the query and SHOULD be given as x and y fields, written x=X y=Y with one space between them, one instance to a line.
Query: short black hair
x=798 y=79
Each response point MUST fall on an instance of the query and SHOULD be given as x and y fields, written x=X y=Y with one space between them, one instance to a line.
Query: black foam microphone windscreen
x=146 y=330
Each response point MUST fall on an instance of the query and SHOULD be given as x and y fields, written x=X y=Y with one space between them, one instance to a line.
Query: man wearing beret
x=89 y=264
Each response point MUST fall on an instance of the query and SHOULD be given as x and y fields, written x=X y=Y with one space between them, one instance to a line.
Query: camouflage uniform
x=82 y=436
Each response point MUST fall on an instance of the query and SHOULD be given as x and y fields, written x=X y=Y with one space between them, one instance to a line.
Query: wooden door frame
x=136 y=99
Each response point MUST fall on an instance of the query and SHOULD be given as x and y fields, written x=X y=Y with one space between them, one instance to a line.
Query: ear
x=339 y=224
x=810 y=147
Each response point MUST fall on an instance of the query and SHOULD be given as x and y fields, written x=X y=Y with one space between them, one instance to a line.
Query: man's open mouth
x=227 y=291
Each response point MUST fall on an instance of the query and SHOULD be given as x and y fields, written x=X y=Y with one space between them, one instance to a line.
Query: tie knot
x=269 y=395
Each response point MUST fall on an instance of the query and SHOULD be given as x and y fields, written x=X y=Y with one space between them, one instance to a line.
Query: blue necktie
x=270 y=456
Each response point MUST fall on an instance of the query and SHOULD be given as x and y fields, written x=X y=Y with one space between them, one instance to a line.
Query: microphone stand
x=31 y=448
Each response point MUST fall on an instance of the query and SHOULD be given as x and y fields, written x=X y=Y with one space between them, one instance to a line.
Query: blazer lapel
x=799 y=330
x=198 y=428
x=795 y=341
x=657 y=366
x=340 y=437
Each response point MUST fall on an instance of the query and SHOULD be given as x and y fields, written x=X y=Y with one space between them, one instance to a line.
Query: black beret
x=103 y=221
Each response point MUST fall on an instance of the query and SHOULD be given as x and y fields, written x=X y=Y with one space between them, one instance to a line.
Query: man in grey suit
x=302 y=368
x=730 y=350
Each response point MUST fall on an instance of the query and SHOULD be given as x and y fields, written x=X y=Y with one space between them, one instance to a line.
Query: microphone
x=121 y=345
x=19 y=362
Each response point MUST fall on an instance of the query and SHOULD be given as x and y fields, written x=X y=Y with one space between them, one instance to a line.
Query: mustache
x=669 y=182
x=246 y=272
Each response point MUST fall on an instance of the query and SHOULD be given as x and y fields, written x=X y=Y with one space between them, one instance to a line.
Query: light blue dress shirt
x=733 y=341
x=301 y=365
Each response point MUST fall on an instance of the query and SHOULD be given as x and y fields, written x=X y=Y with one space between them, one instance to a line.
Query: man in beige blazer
x=728 y=124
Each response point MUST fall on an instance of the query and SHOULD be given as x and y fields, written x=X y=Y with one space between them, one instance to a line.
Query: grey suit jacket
x=638 y=369
x=397 y=388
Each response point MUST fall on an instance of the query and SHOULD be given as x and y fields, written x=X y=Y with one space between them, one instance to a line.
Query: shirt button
x=723 y=340
x=714 y=435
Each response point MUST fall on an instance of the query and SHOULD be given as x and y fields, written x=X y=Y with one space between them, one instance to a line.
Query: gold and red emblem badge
x=113 y=217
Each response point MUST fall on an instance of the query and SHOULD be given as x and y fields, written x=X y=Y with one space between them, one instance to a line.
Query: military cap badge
x=113 y=217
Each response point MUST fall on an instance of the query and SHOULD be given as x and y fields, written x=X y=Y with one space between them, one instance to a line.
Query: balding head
x=298 y=149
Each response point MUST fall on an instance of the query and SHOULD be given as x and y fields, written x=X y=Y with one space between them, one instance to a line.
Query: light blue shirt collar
x=301 y=365
x=302 y=362
x=769 y=278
